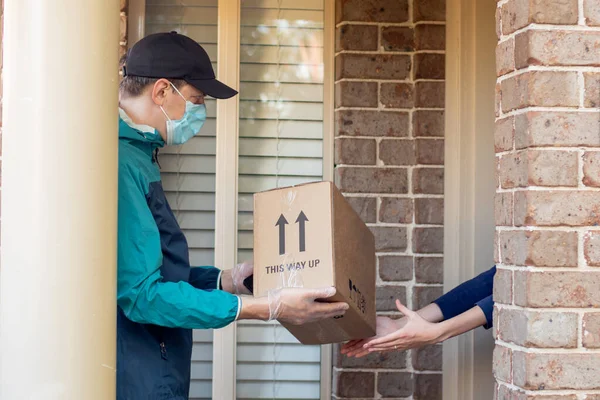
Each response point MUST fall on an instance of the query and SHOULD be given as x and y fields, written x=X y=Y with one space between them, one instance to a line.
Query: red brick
x=591 y=168
x=427 y=358
x=568 y=129
x=430 y=37
x=534 y=329
x=372 y=10
x=578 y=371
x=505 y=57
x=372 y=180
x=428 y=180
x=577 y=289
x=396 y=38
x=539 y=248
x=395 y=384
x=389 y=238
x=428 y=240
x=428 y=387
x=536 y=47
x=356 y=37
x=556 y=208
x=397 y=95
x=503 y=285
x=356 y=94
x=350 y=384
x=428 y=123
x=502 y=364
x=394 y=210
x=591 y=248
x=372 y=123
x=498 y=99
x=372 y=66
x=429 y=270
x=499 y=23
x=397 y=152
x=365 y=207
x=591 y=330
x=430 y=94
x=592 y=89
x=430 y=151
x=396 y=268
x=390 y=360
x=503 y=209
x=429 y=211
x=591 y=10
x=430 y=66
x=429 y=10
x=513 y=170
x=517 y=14
x=355 y=151
x=553 y=168
x=540 y=88
x=496 y=251
x=425 y=295
x=387 y=296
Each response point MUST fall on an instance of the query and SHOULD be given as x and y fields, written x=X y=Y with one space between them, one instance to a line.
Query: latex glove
x=298 y=306
x=238 y=274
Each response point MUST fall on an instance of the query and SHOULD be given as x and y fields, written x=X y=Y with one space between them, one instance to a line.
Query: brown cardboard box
x=309 y=236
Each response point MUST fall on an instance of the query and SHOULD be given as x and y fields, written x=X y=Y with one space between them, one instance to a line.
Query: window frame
x=226 y=193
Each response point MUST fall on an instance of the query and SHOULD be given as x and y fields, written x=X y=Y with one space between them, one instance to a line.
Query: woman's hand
x=385 y=326
x=416 y=332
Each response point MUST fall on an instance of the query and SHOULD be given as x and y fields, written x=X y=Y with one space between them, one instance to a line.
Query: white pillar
x=59 y=198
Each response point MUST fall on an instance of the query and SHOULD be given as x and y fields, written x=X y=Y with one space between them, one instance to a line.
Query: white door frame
x=469 y=181
x=224 y=340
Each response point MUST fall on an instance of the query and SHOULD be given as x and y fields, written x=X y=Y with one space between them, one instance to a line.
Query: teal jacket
x=159 y=297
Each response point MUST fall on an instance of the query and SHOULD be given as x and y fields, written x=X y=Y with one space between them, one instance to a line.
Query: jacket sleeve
x=205 y=277
x=487 y=306
x=468 y=295
x=141 y=292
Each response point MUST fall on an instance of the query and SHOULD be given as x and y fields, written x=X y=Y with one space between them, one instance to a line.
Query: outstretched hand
x=385 y=326
x=416 y=332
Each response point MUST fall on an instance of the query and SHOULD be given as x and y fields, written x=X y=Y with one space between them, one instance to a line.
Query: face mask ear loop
x=177 y=90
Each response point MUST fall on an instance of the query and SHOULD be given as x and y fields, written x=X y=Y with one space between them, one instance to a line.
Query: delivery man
x=160 y=298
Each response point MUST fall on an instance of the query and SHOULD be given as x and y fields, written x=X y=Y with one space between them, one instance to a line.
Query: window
x=277 y=132
x=280 y=144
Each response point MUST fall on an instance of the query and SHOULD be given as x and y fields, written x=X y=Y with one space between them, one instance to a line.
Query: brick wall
x=547 y=204
x=389 y=151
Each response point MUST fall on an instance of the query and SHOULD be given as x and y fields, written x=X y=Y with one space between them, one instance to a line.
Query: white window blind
x=281 y=144
x=188 y=171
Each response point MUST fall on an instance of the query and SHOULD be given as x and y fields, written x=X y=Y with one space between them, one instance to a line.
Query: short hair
x=134 y=86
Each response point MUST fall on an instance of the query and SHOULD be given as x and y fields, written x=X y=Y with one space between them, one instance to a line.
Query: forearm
x=462 y=323
x=431 y=313
x=254 y=308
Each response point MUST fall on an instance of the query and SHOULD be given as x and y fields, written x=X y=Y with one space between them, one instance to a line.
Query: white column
x=59 y=200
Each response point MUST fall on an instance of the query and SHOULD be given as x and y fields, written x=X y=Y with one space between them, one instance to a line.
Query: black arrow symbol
x=281 y=223
x=302 y=221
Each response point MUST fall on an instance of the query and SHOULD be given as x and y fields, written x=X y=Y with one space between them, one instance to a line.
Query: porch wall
x=547 y=288
x=389 y=150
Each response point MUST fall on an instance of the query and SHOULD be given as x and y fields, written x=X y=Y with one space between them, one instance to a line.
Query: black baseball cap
x=175 y=56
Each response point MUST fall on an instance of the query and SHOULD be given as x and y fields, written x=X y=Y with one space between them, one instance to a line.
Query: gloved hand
x=238 y=274
x=298 y=306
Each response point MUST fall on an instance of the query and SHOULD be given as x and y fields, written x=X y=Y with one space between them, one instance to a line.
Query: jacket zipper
x=163 y=351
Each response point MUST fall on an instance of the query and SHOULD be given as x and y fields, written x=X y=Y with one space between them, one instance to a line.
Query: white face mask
x=181 y=130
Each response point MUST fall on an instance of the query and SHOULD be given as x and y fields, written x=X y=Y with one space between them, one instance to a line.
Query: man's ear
x=159 y=91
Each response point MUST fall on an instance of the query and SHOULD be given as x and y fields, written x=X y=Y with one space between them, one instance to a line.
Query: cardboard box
x=309 y=236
